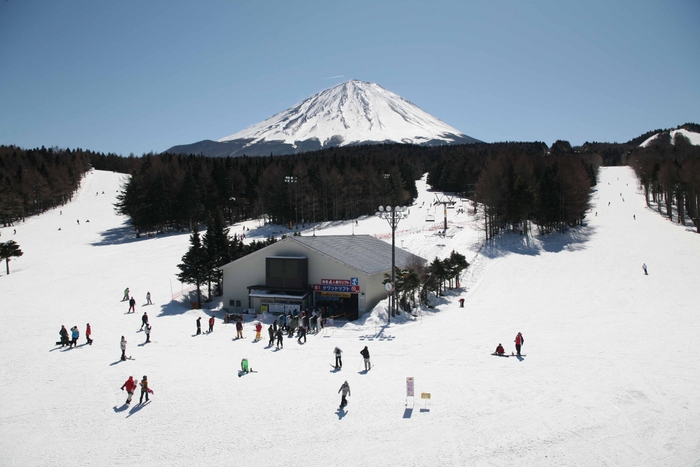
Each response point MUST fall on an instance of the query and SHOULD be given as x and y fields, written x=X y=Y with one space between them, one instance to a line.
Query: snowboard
x=506 y=355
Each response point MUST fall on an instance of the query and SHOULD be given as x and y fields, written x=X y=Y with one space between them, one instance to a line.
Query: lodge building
x=344 y=273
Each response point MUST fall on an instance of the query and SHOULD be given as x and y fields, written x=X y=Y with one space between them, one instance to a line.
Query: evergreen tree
x=194 y=267
x=9 y=250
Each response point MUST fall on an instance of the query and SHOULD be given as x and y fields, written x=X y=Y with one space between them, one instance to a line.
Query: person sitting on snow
x=500 y=350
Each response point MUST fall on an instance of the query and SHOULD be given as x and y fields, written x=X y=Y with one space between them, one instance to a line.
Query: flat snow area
x=610 y=376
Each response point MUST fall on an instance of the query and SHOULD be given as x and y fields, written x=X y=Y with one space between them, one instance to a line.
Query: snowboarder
x=280 y=338
x=519 y=341
x=258 y=330
x=130 y=386
x=344 y=391
x=74 y=336
x=365 y=354
x=148 y=333
x=132 y=305
x=211 y=324
x=271 y=332
x=122 y=344
x=144 y=389
x=144 y=320
x=88 y=333
x=500 y=350
x=302 y=334
x=239 y=330
x=199 y=325
x=148 y=298
x=244 y=366
x=64 y=336
x=644 y=267
x=338 y=358
x=126 y=295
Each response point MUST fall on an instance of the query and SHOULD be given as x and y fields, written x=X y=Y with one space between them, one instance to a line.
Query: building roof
x=362 y=252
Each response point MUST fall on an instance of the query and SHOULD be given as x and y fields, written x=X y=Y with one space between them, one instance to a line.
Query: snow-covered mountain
x=352 y=113
x=693 y=137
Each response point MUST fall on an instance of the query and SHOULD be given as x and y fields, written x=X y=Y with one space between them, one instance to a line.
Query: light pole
x=293 y=179
x=392 y=216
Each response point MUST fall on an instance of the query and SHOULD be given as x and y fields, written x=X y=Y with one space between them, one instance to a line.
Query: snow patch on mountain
x=694 y=138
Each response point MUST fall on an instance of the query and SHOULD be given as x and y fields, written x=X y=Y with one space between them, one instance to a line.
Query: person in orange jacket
x=130 y=386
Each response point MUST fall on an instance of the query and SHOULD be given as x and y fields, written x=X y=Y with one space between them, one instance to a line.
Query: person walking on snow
x=280 y=338
x=122 y=344
x=126 y=295
x=239 y=330
x=88 y=333
x=132 y=305
x=148 y=333
x=365 y=354
x=302 y=334
x=199 y=325
x=344 y=391
x=271 y=332
x=211 y=324
x=258 y=330
x=519 y=341
x=144 y=389
x=148 y=298
x=644 y=267
x=144 y=319
x=74 y=336
x=338 y=358
x=130 y=386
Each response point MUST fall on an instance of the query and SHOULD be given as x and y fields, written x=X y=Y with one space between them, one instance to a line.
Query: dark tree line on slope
x=669 y=172
x=519 y=183
x=175 y=192
x=35 y=180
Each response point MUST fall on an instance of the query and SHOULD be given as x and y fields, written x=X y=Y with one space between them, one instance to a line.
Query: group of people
x=519 y=341
x=130 y=386
x=71 y=340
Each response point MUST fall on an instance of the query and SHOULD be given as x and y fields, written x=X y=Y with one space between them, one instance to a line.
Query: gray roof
x=362 y=252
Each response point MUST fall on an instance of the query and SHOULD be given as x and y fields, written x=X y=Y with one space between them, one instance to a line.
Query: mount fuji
x=352 y=113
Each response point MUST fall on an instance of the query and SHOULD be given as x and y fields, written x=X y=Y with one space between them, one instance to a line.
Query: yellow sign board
x=425 y=395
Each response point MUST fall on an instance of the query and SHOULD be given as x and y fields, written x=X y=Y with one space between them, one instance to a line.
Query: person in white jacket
x=344 y=391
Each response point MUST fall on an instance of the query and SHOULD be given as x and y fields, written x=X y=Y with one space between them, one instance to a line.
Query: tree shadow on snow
x=125 y=234
x=573 y=239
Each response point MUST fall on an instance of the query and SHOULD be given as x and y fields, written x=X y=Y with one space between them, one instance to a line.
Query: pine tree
x=8 y=250
x=194 y=269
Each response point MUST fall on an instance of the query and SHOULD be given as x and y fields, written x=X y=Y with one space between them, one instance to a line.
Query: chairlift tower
x=445 y=200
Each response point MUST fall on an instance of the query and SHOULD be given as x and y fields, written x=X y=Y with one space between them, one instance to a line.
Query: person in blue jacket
x=74 y=335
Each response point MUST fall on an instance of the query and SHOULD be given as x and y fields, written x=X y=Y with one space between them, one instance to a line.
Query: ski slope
x=609 y=378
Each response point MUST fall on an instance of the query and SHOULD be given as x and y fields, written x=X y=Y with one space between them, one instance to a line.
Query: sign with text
x=409 y=386
x=336 y=288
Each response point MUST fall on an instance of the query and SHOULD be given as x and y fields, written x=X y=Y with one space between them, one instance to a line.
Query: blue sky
x=138 y=76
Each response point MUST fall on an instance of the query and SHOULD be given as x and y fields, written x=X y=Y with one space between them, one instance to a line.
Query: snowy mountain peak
x=353 y=112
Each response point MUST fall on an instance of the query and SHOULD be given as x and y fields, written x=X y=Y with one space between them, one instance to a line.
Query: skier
x=130 y=386
x=199 y=325
x=144 y=389
x=258 y=330
x=132 y=305
x=500 y=350
x=345 y=390
x=144 y=320
x=239 y=330
x=365 y=354
x=519 y=341
x=644 y=267
x=280 y=338
x=244 y=366
x=74 y=336
x=126 y=295
x=88 y=333
x=148 y=298
x=148 y=333
x=338 y=358
x=211 y=324
x=122 y=344
x=271 y=332
x=64 y=336
x=302 y=334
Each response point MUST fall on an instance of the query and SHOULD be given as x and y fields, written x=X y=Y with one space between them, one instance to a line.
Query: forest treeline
x=669 y=172
x=33 y=181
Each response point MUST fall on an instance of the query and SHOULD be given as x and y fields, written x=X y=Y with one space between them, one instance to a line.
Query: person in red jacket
x=519 y=341
x=500 y=350
x=130 y=386
x=211 y=324
x=258 y=330
x=88 y=333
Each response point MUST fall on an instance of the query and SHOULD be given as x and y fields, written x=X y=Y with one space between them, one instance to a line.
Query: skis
x=338 y=368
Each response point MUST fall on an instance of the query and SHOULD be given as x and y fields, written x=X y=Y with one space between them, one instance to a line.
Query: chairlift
x=430 y=218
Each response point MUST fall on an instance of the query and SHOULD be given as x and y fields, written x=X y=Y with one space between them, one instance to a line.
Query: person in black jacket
x=64 y=336
x=365 y=354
